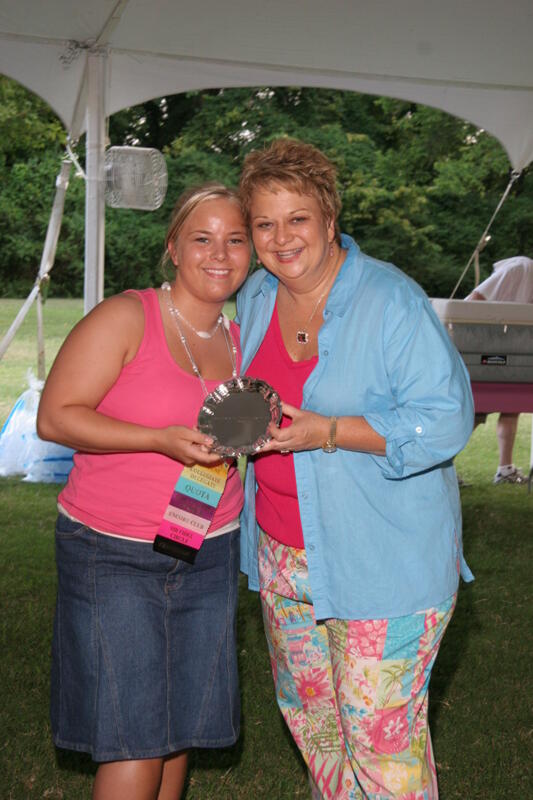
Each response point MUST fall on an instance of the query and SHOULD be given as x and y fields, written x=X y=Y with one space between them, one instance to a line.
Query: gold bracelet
x=330 y=445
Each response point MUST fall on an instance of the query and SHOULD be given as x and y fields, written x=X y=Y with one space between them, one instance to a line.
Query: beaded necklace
x=176 y=312
x=230 y=344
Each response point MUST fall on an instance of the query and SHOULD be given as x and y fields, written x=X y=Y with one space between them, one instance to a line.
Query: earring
x=258 y=260
x=330 y=249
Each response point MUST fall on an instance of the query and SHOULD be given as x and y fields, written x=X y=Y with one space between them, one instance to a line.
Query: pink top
x=276 y=502
x=127 y=493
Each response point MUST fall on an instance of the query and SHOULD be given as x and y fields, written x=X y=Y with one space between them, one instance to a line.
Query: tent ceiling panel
x=470 y=57
x=507 y=114
x=55 y=19
x=18 y=59
x=482 y=41
x=428 y=39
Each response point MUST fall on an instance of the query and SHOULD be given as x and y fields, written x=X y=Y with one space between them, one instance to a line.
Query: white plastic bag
x=21 y=450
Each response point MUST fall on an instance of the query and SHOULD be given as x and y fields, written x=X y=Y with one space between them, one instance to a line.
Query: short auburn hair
x=293 y=165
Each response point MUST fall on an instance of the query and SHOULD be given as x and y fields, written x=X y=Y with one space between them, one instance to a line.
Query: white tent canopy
x=472 y=58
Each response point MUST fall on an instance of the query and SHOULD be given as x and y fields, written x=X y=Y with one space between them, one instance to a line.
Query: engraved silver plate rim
x=235 y=386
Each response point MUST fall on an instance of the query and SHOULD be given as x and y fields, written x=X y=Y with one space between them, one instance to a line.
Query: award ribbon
x=190 y=511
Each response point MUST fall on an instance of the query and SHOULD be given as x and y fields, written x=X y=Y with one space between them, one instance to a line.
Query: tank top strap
x=154 y=334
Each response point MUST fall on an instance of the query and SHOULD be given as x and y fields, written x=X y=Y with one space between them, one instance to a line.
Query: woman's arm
x=87 y=366
x=475 y=295
x=310 y=431
x=426 y=415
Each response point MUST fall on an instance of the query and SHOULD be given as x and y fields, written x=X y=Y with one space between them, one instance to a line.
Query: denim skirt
x=144 y=651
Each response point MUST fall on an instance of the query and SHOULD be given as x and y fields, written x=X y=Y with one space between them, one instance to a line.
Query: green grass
x=59 y=317
x=481 y=690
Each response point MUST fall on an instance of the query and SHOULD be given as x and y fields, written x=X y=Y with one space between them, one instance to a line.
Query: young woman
x=144 y=663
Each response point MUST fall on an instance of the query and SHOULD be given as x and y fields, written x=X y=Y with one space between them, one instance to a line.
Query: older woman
x=352 y=525
x=144 y=660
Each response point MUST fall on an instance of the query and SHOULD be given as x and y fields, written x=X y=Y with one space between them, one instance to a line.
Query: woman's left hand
x=307 y=431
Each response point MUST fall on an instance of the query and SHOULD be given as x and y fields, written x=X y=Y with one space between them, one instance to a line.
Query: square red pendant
x=302 y=337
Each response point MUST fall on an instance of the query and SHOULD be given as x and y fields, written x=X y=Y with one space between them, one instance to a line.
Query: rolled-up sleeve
x=428 y=415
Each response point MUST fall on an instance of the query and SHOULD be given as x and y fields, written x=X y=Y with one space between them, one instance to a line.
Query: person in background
x=144 y=660
x=352 y=523
x=511 y=281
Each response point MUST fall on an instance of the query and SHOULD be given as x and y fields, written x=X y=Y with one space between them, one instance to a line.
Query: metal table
x=496 y=343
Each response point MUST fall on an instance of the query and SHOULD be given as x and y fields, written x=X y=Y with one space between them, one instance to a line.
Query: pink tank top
x=127 y=493
x=276 y=502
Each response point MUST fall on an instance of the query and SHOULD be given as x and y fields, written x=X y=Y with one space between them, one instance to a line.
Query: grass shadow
x=453 y=651
x=80 y=763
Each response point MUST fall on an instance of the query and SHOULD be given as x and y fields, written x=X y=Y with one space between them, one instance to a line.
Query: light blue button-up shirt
x=382 y=533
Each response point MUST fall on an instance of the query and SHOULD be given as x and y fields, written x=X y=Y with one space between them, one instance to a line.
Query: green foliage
x=418 y=186
x=153 y=124
x=28 y=125
x=25 y=206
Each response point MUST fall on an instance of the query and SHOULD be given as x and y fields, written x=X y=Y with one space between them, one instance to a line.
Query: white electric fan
x=135 y=177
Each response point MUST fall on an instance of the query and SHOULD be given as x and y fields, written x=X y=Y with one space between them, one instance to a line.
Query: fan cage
x=135 y=177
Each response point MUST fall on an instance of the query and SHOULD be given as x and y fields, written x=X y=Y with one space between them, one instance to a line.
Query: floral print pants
x=354 y=693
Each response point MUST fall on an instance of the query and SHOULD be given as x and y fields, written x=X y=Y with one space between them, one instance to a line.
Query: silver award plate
x=237 y=414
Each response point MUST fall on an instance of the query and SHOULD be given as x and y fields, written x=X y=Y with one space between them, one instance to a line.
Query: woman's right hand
x=187 y=445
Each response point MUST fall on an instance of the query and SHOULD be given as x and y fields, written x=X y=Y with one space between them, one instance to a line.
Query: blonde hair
x=185 y=205
x=294 y=165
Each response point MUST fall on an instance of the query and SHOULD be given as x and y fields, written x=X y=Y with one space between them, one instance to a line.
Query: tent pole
x=94 y=191
x=48 y=255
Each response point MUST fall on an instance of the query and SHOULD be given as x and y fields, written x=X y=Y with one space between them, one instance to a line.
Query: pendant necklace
x=230 y=344
x=175 y=312
x=302 y=335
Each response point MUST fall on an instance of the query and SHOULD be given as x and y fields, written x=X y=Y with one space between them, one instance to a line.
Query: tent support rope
x=515 y=174
x=47 y=262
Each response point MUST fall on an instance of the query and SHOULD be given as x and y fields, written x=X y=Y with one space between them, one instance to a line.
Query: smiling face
x=291 y=237
x=211 y=252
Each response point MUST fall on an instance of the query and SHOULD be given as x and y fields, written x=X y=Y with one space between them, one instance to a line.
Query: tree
x=29 y=127
x=418 y=186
